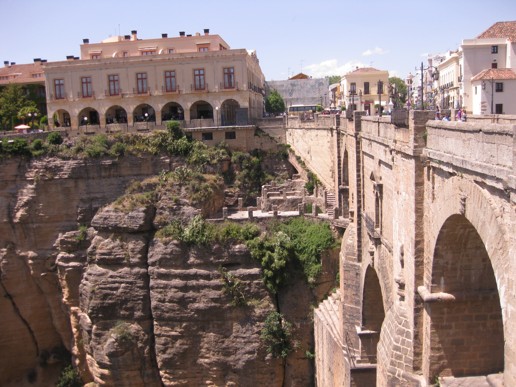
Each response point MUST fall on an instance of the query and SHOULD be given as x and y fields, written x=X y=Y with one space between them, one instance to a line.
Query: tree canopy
x=334 y=79
x=14 y=105
x=400 y=96
x=274 y=103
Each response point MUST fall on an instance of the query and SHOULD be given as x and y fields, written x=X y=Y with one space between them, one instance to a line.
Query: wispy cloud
x=330 y=67
x=375 y=51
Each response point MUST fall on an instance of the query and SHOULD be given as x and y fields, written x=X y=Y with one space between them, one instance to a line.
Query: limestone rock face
x=80 y=275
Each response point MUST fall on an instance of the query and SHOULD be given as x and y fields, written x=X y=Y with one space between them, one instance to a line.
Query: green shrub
x=69 y=378
x=230 y=232
x=233 y=287
x=54 y=138
x=15 y=147
x=117 y=149
x=174 y=129
x=277 y=335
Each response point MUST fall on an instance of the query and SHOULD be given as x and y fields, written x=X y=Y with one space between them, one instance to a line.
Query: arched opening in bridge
x=344 y=188
x=466 y=334
x=373 y=315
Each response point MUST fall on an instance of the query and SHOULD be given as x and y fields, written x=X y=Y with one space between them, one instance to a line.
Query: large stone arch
x=466 y=334
x=476 y=211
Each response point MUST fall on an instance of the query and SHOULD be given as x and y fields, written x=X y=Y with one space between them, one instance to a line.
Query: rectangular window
x=148 y=52
x=95 y=56
x=199 y=79
x=494 y=49
x=499 y=108
x=229 y=78
x=170 y=81
x=141 y=83
x=59 y=90
x=230 y=135
x=366 y=88
x=494 y=65
x=114 y=84
x=86 y=87
x=499 y=87
x=203 y=49
x=125 y=54
x=353 y=88
x=380 y=87
x=170 y=50
x=207 y=136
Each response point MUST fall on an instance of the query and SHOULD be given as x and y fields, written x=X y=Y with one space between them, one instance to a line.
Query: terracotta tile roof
x=22 y=74
x=505 y=30
x=498 y=74
x=365 y=70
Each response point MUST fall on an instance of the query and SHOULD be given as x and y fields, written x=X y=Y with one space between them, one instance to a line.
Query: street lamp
x=146 y=121
x=492 y=90
x=352 y=93
x=216 y=116
x=32 y=116
x=85 y=119
x=380 y=92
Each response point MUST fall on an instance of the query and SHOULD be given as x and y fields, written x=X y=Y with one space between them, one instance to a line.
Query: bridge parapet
x=474 y=147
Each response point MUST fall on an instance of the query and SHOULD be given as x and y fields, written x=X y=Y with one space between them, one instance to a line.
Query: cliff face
x=133 y=309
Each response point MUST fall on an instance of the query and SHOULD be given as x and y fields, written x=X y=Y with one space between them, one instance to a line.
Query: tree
x=28 y=111
x=400 y=96
x=274 y=103
x=12 y=101
x=334 y=79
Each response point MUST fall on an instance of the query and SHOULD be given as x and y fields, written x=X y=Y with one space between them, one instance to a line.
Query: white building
x=495 y=50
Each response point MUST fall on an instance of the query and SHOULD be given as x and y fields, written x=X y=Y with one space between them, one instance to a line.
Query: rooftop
x=498 y=74
x=506 y=30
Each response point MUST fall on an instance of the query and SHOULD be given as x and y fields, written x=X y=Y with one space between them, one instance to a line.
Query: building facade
x=197 y=79
x=494 y=49
x=365 y=89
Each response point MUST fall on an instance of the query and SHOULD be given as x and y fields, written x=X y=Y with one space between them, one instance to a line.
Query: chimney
x=37 y=60
x=197 y=34
x=206 y=31
x=164 y=35
x=134 y=35
x=13 y=63
x=181 y=33
x=75 y=58
x=43 y=61
x=69 y=57
x=6 y=63
x=127 y=37
x=85 y=41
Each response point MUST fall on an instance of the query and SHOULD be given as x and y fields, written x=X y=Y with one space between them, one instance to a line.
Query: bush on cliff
x=277 y=335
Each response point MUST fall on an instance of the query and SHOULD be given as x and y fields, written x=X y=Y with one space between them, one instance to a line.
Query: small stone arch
x=62 y=118
x=373 y=314
x=172 y=111
x=201 y=110
x=88 y=116
x=116 y=115
x=228 y=112
x=144 y=113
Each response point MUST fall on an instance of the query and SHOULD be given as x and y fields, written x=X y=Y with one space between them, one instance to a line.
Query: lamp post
x=492 y=91
x=85 y=120
x=146 y=115
x=380 y=92
x=216 y=116
x=352 y=93
x=32 y=116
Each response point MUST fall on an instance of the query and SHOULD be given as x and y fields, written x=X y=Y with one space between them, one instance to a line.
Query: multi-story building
x=450 y=77
x=197 y=79
x=493 y=50
x=365 y=89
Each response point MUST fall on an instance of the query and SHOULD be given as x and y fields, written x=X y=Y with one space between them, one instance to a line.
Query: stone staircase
x=329 y=311
x=330 y=203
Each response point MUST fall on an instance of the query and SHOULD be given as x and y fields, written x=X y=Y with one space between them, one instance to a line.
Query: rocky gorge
x=86 y=278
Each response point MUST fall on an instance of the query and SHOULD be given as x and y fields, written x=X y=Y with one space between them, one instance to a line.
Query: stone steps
x=328 y=312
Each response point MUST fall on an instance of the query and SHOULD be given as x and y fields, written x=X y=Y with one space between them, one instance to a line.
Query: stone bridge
x=428 y=261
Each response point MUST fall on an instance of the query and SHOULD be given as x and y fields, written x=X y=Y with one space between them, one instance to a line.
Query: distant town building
x=197 y=79
x=493 y=50
x=365 y=89
x=302 y=90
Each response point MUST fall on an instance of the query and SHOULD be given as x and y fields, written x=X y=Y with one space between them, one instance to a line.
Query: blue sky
x=319 y=38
